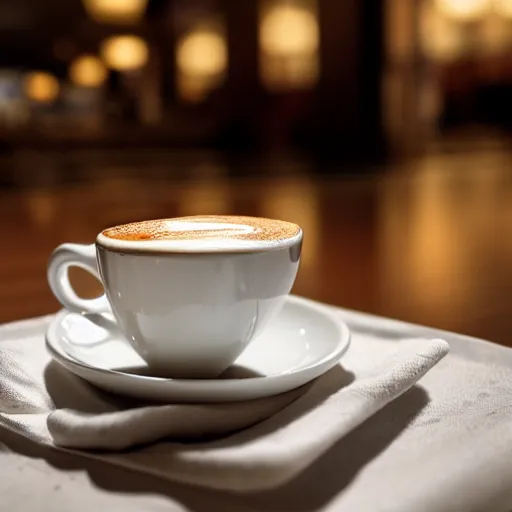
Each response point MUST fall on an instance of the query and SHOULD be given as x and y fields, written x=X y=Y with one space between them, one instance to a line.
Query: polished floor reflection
x=428 y=242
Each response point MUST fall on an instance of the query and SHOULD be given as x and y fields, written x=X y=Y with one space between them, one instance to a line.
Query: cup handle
x=74 y=255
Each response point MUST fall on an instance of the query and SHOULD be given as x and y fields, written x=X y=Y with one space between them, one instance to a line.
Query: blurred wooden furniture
x=429 y=243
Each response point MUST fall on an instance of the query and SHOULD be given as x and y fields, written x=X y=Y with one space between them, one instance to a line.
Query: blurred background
x=382 y=127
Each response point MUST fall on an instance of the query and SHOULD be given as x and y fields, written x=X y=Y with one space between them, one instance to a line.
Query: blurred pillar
x=242 y=86
x=242 y=40
x=347 y=123
x=404 y=77
x=149 y=95
x=161 y=16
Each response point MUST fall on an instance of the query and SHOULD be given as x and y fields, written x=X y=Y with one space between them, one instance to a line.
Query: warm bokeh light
x=503 y=8
x=202 y=53
x=289 y=44
x=425 y=228
x=447 y=35
x=87 y=71
x=124 y=53
x=115 y=11
x=494 y=35
x=464 y=10
x=201 y=60
x=442 y=38
x=41 y=87
x=288 y=30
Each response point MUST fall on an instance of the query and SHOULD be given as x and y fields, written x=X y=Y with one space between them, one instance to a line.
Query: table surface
x=428 y=241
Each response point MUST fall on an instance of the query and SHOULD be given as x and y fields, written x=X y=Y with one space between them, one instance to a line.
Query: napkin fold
x=251 y=445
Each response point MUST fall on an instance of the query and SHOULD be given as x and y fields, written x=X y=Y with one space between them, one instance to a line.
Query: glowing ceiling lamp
x=87 y=71
x=288 y=30
x=464 y=10
x=115 y=11
x=124 y=53
x=41 y=87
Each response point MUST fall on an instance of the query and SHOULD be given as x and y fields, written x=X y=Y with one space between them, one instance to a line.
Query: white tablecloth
x=446 y=445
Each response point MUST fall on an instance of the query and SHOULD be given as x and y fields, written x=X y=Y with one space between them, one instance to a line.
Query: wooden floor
x=429 y=242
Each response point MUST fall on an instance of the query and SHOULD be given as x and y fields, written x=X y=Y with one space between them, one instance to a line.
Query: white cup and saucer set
x=195 y=310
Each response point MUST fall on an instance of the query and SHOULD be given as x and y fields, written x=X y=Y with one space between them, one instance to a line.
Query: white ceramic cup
x=187 y=314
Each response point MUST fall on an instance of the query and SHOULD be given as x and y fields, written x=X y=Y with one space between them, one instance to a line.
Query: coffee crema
x=205 y=227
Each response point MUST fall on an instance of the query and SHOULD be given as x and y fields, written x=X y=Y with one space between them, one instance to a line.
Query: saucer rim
x=344 y=338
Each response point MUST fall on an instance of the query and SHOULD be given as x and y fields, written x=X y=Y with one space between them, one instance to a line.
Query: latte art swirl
x=203 y=227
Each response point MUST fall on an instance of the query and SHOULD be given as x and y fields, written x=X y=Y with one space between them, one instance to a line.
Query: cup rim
x=198 y=247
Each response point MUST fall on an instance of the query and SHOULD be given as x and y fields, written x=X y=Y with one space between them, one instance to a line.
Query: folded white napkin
x=243 y=446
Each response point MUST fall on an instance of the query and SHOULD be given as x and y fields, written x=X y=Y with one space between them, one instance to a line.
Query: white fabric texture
x=444 y=446
x=256 y=444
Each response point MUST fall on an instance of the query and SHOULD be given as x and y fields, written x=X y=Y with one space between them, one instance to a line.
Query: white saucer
x=301 y=343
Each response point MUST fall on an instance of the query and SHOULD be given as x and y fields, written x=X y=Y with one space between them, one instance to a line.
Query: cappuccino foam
x=222 y=229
